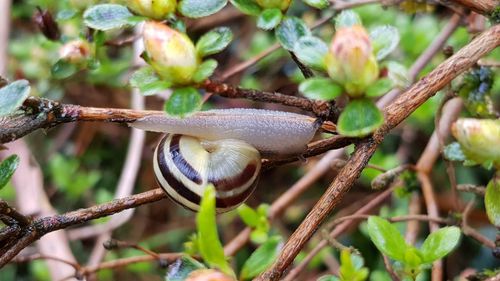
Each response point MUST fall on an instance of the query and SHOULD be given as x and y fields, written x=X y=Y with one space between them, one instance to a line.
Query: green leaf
x=328 y=278
x=107 y=16
x=351 y=267
x=248 y=215
x=290 y=31
x=384 y=40
x=319 y=4
x=200 y=8
x=13 y=95
x=492 y=200
x=262 y=258
x=311 y=51
x=453 y=152
x=214 y=41
x=440 y=243
x=148 y=83
x=67 y=14
x=7 y=169
x=379 y=88
x=398 y=74
x=387 y=238
x=205 y=70
x=63 y=69
x=269 y=18
x=320 y=88
x=347 y=18
x=359 y=118
x=208 y=239
x=181 y=268
x=183 y=101
x=248 y=7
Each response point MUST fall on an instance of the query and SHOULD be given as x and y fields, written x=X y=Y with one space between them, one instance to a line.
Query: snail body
x=222 y=147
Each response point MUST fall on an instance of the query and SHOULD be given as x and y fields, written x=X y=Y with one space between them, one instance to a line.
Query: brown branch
x=306 y=71
x=395 y=113
x=485 y=7
x=21 y=219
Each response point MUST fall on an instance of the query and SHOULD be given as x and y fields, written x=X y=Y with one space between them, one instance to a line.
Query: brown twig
x=388 y=267
x=306 y=71
x=484 y=7
x=469 y=231
x=21 y=219
x=396 y=112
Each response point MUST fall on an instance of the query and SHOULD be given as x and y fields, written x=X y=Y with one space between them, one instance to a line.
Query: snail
x=222 y=147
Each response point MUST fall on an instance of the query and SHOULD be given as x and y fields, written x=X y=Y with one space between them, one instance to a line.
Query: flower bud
x=76 y=51
x=479 y=139
x=350 y=60
x=156 y=9
x=208 y=275
x=269 y=4
x=172 y=54
x=47 y=25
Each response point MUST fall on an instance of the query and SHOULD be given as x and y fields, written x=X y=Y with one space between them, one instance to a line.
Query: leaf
x=320 y=88
x=183 y=101
x=387 y=238
x=269 y=18
x=328 y=278
x=379 y=88
x=492 y=200
x=347 y=18
x=13 y=95
x=290 y=31
x=248 y=7
x=398 y=74
x=384 y=40
x=107 y=16
x=311 y=51
x=359 y=118
x=248 y=215
x=262 y=258
x=148 y=83
x=453 y=152
x=208 y=239
x=205 y=70
x=200 y=8
x=440 y=243
x=319 y=4
x=181 y=268
x=7 y=169
x=214 y=41
x=63 y=69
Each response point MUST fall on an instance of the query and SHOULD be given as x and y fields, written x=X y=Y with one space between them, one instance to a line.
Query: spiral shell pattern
x=184 y=165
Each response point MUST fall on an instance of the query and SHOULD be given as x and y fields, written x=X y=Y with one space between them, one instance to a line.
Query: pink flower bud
x=76 y=51
x=172 y=54
x=269 y=4
x=156 y=9
x=208 y=275
x=350 y=61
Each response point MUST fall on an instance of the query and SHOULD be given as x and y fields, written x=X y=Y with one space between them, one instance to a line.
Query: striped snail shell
x=184 y=165
x=222 y=147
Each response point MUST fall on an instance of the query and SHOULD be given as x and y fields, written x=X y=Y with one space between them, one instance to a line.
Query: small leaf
x=248 y=7
x=205 y=70
x=181 y=268
x=214 y=41
x=7 y=169
x=453 y=152
x=492 y=200
x=200 y=8
x=262 y=258
x=379 y=88
x=13 y=95
x=319 y=4
x=248 y=215
x=347 y=18
x=67 y=14
x=384 y=40
x=290 y=31
x=359 y=118
x=440 y=243
x=269 y=18
x=107 y=16
x=148 y=83
x=387 y=238
x=183 y=101
x=311 y=51
x=328 y=278
x=398 y=74
x=63 y=69
x=320 y=88
x=208 y=239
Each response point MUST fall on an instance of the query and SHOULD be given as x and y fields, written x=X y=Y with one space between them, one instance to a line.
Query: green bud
x=351 y=61
x=270 y=4
x=172 y=54
x=156 y=9
x=479 y=139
